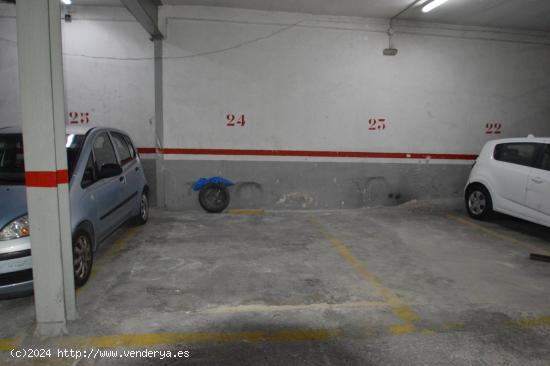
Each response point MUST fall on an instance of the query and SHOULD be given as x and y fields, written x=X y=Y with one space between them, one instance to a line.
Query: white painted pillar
x=159 y=122
x=43 y=115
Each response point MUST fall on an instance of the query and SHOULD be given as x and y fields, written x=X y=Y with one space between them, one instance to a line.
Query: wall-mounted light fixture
x=391 y=50
x=67 y=10
x=430 y=5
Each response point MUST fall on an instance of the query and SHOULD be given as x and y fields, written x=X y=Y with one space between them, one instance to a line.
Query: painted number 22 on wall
x=493 y=128
x=233 y=121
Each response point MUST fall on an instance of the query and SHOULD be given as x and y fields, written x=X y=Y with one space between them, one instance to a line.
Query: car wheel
x=143 y=214
x=83 y=257
x=478 y=202
x=214 y=198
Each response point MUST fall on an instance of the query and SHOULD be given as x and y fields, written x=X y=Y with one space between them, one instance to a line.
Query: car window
x=130 y=146
x=74 y=144
x=89 y=176
x=12 y=165
x=545 y=164
x=521 y=153
x=103 y=151
x=121 y=148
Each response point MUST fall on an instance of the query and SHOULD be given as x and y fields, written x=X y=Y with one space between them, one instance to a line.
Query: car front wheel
x=83 y=257
x=478 y=202
x=143 y=214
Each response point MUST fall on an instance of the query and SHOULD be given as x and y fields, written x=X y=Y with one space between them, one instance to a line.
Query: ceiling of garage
x=522 y=14
x=97 y=2
x=519 y=14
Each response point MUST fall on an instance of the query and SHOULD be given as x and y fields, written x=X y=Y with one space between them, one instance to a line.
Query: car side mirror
x=109 y=170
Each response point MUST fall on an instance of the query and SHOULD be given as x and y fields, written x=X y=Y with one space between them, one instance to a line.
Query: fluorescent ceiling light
x=420 y=2
x=434 y=4
x=66 y=2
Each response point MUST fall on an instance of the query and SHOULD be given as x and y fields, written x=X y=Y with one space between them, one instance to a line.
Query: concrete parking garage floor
x=418 y=284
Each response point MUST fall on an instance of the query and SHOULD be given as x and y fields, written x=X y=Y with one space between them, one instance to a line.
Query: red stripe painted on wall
x=308 y=153
x=50 y=179
x=147 y=150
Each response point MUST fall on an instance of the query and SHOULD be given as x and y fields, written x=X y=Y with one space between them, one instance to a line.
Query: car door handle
x=137 y=168
x=121 y=179
x=537 y=180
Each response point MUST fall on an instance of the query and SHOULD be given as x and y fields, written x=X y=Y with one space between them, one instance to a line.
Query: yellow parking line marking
x=402 y=312
x=121 y=242
x=428 y=332
x=408 y=328
x=525 y=324
x=9 y=344
x=116 y=247
x=530 y=247
x=243 y=211
x=320 y=335
x=259 y=308
x=405 y=328
x=166 y=339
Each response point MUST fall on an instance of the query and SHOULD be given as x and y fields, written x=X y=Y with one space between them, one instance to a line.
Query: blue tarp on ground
x=216 y=180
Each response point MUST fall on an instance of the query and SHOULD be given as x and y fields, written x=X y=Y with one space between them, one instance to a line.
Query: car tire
x=214 y=198
x=143 y=215
x=83 y=257
x=479 y=204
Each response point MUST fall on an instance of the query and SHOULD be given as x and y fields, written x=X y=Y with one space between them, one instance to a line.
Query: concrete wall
x=307 y=86
x=9 y=80
x=311 y=83
x=108 y=70
x=108 y=64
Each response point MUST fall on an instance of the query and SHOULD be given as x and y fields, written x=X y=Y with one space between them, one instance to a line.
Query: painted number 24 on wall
x=233 y=121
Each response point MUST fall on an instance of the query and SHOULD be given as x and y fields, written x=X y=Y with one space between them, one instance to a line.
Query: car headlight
x=18 y=228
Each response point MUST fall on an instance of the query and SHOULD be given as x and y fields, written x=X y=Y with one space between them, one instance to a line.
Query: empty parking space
x=363 y=286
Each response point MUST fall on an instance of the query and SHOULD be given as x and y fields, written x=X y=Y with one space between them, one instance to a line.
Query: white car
x=511 y=176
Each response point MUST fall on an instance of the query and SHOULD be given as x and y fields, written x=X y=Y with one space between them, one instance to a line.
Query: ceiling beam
x=146 y=13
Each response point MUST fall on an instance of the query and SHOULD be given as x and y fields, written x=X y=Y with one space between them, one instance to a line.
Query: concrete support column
x=43 y=115
x=159 y=123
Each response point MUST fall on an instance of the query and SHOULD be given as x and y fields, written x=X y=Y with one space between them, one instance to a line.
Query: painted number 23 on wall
x=233 y=120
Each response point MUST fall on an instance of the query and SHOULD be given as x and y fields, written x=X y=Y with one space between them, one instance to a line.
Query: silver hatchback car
x=107 y=187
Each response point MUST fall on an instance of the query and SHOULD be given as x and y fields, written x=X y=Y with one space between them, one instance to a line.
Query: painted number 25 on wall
x=377 y=124
x=76 y=118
